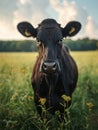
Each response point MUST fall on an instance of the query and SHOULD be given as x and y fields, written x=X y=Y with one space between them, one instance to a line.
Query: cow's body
x=55 y=72
x=63 y=83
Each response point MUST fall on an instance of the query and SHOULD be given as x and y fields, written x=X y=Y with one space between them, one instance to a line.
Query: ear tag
x=27 y=33
x=42 y=101
x=72 y=30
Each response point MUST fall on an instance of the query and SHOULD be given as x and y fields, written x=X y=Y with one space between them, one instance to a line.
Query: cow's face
x=49 y=37
x=49 y=43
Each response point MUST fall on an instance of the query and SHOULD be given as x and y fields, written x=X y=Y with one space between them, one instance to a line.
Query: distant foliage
x=18 y=46
x=29 y=45
x=82 y=44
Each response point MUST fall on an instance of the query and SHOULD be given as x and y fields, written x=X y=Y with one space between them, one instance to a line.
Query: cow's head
x=49 y=35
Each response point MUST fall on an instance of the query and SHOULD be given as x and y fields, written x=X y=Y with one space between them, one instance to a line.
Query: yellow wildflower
x=89 y=104
x=30 y=97
x=66 y=98
x=42 y=101
x=23 y=71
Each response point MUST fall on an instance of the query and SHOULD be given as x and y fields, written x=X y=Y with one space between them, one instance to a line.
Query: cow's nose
x=49 y=67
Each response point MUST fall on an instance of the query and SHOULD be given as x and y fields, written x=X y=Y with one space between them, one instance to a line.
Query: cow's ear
x=71 y=29
x=26 y=29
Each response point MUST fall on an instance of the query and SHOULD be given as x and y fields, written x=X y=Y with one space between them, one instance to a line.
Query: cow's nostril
x=54 y=66
x=44 y=67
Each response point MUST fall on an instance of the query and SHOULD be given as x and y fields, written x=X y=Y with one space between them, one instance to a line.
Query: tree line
x=29 y=45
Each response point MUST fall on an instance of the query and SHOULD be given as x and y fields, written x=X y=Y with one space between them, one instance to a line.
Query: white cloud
x=7 y=28
x=65 y=10
x=91 y=28
x=24 y=1
x=30 y=10
x=68 y=11
x=21 y=10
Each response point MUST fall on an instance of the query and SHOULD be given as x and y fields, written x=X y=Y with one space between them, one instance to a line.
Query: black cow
x=55 y=72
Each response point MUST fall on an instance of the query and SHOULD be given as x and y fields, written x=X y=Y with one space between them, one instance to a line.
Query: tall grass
x=17 y=109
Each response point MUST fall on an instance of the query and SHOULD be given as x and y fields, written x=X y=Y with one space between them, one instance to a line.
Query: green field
x=17 y=109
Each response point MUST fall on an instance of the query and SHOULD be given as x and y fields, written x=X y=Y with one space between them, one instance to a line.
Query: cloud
x=7 y=28
x=68 y=11
x=31 y=10
x=14 y=12
x=91 y=28
x=65 y=10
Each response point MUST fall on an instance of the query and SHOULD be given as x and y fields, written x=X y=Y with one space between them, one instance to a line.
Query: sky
x=34 y=11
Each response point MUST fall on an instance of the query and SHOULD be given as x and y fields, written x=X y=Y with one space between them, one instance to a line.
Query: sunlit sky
x=14 y=11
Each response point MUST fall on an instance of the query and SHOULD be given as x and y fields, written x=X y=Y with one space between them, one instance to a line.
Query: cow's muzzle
x=50 y=67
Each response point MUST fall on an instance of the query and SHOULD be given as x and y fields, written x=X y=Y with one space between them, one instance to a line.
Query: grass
x=17 y=109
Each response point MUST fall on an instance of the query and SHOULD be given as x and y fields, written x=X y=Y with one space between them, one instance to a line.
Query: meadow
x=17 y=109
